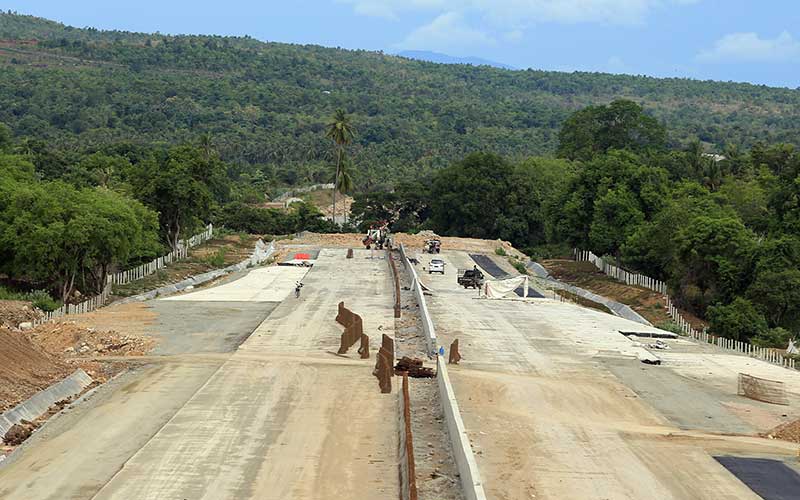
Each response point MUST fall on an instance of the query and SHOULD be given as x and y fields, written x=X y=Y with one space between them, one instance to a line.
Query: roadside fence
x=126 y=277
x=86 y=306
x=765 y=354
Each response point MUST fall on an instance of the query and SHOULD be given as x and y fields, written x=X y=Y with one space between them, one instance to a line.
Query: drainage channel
x=436 y=474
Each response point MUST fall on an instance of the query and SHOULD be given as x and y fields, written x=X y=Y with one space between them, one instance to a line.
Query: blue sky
x=739 y=40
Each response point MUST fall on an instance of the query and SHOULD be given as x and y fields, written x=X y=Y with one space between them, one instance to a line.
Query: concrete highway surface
x=281 y=416
x=558 y=406
x=246 y=398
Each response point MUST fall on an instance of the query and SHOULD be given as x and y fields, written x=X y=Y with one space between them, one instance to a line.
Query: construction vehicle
x=377 y=235
x=432 y=246
x=470 y=278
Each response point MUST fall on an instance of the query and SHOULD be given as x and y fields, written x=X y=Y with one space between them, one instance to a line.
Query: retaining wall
x=619 y=309
x=459 y=440
x=36 y=406
x=768 y=355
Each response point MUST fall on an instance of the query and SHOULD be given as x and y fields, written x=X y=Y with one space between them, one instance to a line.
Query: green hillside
x=265 y=104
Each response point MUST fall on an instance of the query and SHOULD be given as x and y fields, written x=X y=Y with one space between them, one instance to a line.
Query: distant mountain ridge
x=266 y=103
x=437 y=57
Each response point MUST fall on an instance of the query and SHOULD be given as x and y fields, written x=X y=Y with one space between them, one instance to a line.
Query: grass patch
x=670 y=326
x=216 y=259
x=500 y=251
x=518 y=265
x=39 y=298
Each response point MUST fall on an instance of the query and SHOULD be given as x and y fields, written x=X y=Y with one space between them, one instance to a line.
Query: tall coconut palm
x=206 y=144
x=345 y=182
x=341 y=131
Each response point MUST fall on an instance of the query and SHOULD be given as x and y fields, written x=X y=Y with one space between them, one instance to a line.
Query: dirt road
x=281 y=417
x=549 y=420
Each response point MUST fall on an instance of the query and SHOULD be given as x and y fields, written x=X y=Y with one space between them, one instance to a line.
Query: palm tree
x=206 y=144
x=341 y=131
x=345 y=183
x=712 y=174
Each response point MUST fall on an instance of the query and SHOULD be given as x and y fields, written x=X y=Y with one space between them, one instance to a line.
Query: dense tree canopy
x=56 y=233
x=620 y=125
x=721 y=231
x=114 y=144
x=266 y=104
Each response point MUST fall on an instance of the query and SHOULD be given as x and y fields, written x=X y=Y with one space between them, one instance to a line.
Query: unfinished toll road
x=281 y=417
x=548 y=418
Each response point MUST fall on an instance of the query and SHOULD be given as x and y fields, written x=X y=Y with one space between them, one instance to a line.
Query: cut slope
x=25 y=369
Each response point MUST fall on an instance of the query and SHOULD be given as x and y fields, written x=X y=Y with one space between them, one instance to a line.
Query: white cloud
x=749 y=47
x=523 y=12
x=447 y=32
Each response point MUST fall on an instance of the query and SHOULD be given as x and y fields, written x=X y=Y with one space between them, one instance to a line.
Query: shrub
x=500 y=251
x=519 y=266
x=217 y=259
x=670 y=326
x=43 y=300
x=739 y=320
x=39 y=298
x=774 y=337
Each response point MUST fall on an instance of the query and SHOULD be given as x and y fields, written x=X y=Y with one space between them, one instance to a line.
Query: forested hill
x=265 y=104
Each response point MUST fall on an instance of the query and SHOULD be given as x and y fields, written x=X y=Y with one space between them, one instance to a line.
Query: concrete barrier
x=471 y=484
x=36 y=406
x=416 y=286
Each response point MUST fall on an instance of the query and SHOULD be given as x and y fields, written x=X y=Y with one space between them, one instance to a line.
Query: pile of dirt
x=413 y=242
x=68 y=339
x=14 y=312
x=25 y=368
x=343 y=240
x=18 y=433
x=133 y=318
x=414 y=368
x=790 y=431
x=32 y=360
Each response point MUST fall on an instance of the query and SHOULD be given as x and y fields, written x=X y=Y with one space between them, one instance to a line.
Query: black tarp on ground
x=492 y=268
x=770 y=479
x=489 y=266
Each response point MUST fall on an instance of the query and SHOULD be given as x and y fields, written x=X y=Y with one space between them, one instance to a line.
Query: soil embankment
x=25 y=368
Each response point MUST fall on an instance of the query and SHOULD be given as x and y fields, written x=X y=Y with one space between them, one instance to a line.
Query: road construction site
x=558 y=404
x=245 y=396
